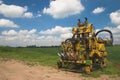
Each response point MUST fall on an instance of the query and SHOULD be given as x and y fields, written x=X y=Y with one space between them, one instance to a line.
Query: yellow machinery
x=85 y=48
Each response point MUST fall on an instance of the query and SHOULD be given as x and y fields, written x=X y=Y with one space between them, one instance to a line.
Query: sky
x=48 y=22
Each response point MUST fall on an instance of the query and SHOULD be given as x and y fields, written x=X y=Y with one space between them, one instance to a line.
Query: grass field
x=48 y=56
x=44 y=56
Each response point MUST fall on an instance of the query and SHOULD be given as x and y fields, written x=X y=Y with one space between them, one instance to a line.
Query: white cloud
x=38 y=15
x=52 y=36
x=57 y=30
x=28 y=15
x=96 y=30
x=98 y=10
x=20 y=32
x=49 y=40
x=55 y=35
x=32 y=31
x=9 y=33
x=40 y=37
x=64 y=8
x=14 y=11
x=115 y=30
x=7 y=23
x=26 y=32
x=115 y=17
x=18 y=38
x=23 y=32
x=116 y=33
x=66 y=35
x=32 y=37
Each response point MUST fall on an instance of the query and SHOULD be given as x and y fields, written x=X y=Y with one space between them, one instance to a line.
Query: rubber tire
x=59 y=64
x=87 y=69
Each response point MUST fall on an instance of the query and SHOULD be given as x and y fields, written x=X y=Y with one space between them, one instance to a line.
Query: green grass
x=114 y=54
x=114 y=60
x=44 y=56
x=48 y=56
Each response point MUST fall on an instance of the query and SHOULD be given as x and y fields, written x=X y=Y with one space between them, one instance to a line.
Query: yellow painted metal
x=84 y=45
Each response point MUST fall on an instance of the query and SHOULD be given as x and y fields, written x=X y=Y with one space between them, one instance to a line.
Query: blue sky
x=48 y=22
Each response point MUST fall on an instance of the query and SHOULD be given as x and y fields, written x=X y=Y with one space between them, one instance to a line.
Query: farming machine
x=85 y=48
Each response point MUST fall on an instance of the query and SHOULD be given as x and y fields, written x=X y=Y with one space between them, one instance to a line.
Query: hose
x=105 y=30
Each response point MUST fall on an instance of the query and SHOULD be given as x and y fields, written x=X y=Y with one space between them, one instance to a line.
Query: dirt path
x=14 y=70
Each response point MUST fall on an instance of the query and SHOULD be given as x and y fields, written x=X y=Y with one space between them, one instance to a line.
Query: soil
x=15 y=70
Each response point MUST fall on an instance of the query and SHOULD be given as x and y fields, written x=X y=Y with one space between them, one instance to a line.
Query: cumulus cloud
x=115 y=30
x=57 y=30
x=14 y=11
x=13 y=38
x=32 y=31
x=98 y=10
x=7 y=23
x=18 y=38
x=26 y=32
x=116 y=33
x=28 y=15
x=20 y=32
x=66 y=35
x=49 y=40
x=115 y=17
x=9 y=33
x=55 y=35
x=33 y=37
x=64 y=8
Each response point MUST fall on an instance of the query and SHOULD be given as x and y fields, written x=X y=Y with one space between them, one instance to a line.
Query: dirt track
x=14 y=70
